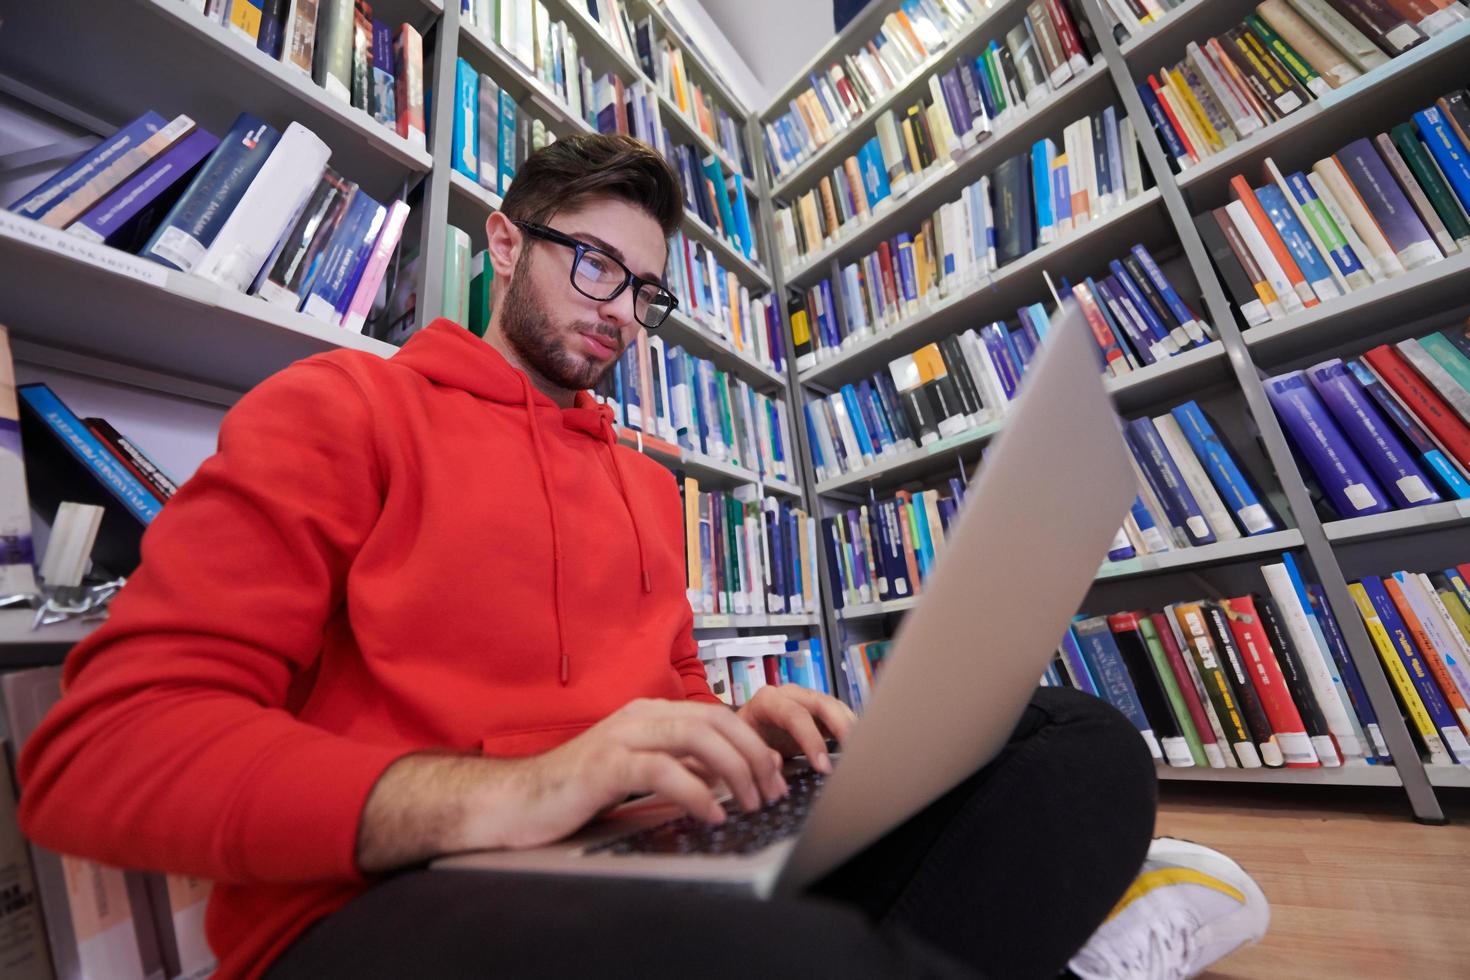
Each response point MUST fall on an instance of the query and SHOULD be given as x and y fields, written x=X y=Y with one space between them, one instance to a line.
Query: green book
x=456 y=305
x=481 y=274
x=734 y=527
x=727 y=418
x=1422 y=166
x=1170 y=684
x=1303 y=72
x=997 y=88
x=1449 y=357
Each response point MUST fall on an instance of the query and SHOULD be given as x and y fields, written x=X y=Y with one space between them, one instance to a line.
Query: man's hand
x=796 y=720
x=427 y=805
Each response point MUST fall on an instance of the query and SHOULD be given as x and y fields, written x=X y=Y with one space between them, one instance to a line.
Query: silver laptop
x=1035 y=526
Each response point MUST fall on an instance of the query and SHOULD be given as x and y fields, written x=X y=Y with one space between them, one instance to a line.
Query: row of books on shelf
x=1372 y=211
x=69 y=917
x=661 y=390
x=1042 y=52
x=343 y=48
x=716 y=198
x=1268 y=679
x=713 y=297
x=663 y=64
x=258 y=211
x=1384 y=432
x=739 y=666
x=1130 y=17
x=493 y=135
x=745 y=554
x=1284 y=56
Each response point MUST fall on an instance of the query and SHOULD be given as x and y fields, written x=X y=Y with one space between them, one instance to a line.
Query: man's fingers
x=727 y=747
x=661 y=773
x=794 y=718
x=835 y=716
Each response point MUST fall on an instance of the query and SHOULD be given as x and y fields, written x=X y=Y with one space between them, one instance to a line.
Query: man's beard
x=530 y=332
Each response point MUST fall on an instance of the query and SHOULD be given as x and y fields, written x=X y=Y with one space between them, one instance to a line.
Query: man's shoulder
x=645 y=469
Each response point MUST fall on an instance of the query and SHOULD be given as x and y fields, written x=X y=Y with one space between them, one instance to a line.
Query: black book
x=1292 y=669
x=1010 y=77
x=954 y=363
x=1107 y=181
x=1151 y=694
x=1242 y=293
x=892 y=406
x=1150 y=294
x=832 y=545
x=1015 y=226
x=1237 y=674
x=918 y=412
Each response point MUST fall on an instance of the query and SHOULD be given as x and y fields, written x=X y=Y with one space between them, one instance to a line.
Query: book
x=341 y=263
x=1386 y=202
x=1289 y=731
x=364 y=295
x=1395 y=650
x=1349 y=485
x=126 y=217
x=408 y=61
x=464 y=154
x=17 y=550
x=1201 y=646
x=298 y=44
x=1421 y=400
x=84 y=196
x=332 y=56
x=1106 y=665
x=36 y=202
x=1237 y=491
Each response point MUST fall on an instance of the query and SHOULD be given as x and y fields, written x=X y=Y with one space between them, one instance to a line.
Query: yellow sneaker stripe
x=1162 y=877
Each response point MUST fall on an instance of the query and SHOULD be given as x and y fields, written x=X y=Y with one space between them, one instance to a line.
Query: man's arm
x=172 y=748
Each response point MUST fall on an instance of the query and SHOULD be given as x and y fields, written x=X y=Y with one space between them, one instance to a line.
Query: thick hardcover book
x=1447 y=149
x=83 y=197
x=1396 y=164
x=1252 y=58
x=1350 y=486
x=1397 y=470
x=1015 y=227
x=1422 y=401
x=1300 y=48
x=1236 y=490
x=1076 y=666
x=1298 y=683
x=55 y=189
x=408 y=61
x=384 y=103
x=1158 y=326
x=1167 y=483
x=1448 y=383
x=1260 y=661
x=1281 y=253
x=1433 y=457
x=1169 y=663
x=1243 y=291
x=1390 y=209
x=124 y=218
x=1238 y=676
x=1313 y=265
x=1331 y=24
x=1347 y=670
x=1206 y=659
x=1431 y=181
x=191 y=225
x=1382 y=24
x=332 y=63
x=66 y=461
x=1150 y=688
x=287 y=276
x=1106 y=665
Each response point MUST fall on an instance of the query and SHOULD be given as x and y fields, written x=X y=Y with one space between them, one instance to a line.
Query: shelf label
x=1128 y=566
x=713 y=622
x=102 y=257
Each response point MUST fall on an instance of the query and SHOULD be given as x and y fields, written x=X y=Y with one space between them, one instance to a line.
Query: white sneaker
x=1189 y=907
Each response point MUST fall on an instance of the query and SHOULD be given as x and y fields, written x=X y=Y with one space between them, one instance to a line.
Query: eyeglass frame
x=581 y=248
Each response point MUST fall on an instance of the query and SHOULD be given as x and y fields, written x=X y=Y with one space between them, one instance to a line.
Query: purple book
x=1401 y=225
x=1347 y=482
x=955 y=102
x=1139 y=336
x=124 y=218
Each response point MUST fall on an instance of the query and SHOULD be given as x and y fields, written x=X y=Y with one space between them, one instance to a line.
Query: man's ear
x=505 y=244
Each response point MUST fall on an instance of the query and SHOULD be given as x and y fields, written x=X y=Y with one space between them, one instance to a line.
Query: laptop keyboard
x=741 y=833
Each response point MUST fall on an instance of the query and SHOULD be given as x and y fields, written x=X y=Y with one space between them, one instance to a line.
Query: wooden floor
x=1357 y=888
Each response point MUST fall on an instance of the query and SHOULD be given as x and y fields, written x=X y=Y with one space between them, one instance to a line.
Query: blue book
x=868 y=398
x=1061 y=193
x=742 y=217
x=819 y=664
x=875 y=175
x=993 y=337
x=506 y=144
x=800 y=662
x=1235 y=489
x=56 y=189
x=1161 y=124
x=1447 y=150
x=828 y=313
x=1114 y=150
x=1076 y=666
x=86 y=449
x=1348 y=483
x=982 y=84
x=855 y=415
x=1399 y=474
x=1351 y=679
x=331 y=283
x=464 y=156
x=1110 y=675
x=1041 y=187
x=1298 y=242
x=1028 y=327
x=1424 y=683
x=832 y=546
x=1343 y=257
x=716 y=176
x=1167 y=483
x=1165 y=288
x=1148 y=528
x=1040 y=322
x=1025 y=349
x=1445 y=472
x=1156 y=327
x=191 y=225
x=925 y=544
x=908 y=276
x=898 y=569
x=1110 y=300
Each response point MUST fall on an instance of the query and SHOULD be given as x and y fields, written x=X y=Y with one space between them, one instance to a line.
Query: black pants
x=1004 y=877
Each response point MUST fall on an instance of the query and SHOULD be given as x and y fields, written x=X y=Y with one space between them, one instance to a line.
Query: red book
x=773 y=669
x=905 y=505
x=1190 y=693
x=1066 y=30
x=890 y=284
x=1270 y=684
x=1421 y=400
x=1179 y=129
x=1112 y=351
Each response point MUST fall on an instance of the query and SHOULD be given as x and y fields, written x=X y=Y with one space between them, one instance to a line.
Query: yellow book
x=244 y=20
x=941 y=130
x=1196 y=111
x=1418 y=715
x=737 y=329
x=680 y=95
x=910 y=143
x=921 y=264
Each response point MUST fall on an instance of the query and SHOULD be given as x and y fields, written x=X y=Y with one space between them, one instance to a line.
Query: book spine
x=1106 y=666
x=1189 y=694
x=1291 y=735
x=1394 y=658
x=1433 y=457
x=1352 y=681
x=1390 y=209
x=1167 y=483
x=1237 y=674
x=1344 y=258
x=1227 y=477
x=1425 y=405
x=1206 y=662
x=1348 y=483
x=85 y=446
x=1294 y=673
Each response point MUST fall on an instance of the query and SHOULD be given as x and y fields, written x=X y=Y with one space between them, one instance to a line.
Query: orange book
x=905 y=505
x=737 y=329
x=1429 y=651
x=908 y=28
x=1282 y=254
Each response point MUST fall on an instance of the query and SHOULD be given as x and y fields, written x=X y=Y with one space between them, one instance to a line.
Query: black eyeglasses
x=599 y=276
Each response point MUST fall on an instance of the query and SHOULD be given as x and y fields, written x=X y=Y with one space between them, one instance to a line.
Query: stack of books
x=1250 y=681
x=713 y=297
x=739 y=666
x=258 y=211
x=747 y=555
x=860 y=664
x=1281 y=58
x=663 y=64
x=883 y=550
x=339 y=44
x=1372 y=211
x=1387 y=431
x=665 y=392
x=493 y=135
x=716 y=198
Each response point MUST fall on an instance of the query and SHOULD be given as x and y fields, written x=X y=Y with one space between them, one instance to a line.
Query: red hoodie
x=384 y=556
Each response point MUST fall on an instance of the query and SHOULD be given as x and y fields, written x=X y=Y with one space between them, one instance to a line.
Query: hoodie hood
x=447 y=354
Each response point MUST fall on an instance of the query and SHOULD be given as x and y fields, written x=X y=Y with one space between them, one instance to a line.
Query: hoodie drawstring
x=564 y=662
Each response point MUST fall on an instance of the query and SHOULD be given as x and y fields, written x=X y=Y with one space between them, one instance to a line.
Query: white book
x=657 y=355
x=1315 y=662
x=1440 y=379
x=1132 y=168
x=1176 y=536
x=986 y=376
x=267 y=208
x=987 y=215
x=1341 y=34
x=1442 y=636
x=1458 y=661
x=1218 y=758
x=1291 y=302
x=1359 y=216
x=1301 y=216
x=1339 y=217
x=1196 y=479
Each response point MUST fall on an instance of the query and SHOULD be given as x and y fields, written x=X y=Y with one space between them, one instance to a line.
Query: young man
x=428 y=604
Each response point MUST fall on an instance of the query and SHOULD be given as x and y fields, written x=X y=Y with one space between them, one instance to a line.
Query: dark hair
x=558 y=176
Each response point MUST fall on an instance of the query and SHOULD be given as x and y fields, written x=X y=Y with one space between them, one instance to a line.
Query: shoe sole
x=1212 y=862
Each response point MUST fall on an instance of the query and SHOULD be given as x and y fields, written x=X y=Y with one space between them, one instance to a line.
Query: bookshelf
x=1233 y=365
